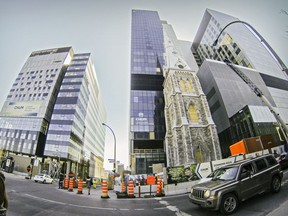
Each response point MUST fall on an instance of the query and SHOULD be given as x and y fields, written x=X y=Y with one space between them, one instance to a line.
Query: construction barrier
x=123 y=188
x=80 y=186
x=131 y=189
x=159 y=188
x=104 y=194
x=66 y=183
x=70 y=189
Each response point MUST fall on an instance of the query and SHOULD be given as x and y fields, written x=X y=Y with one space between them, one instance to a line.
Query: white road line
x=139 y=209
x=35 y=197
x=124 y=209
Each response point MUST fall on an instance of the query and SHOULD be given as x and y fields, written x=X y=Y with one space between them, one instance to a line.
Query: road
x=29 y=198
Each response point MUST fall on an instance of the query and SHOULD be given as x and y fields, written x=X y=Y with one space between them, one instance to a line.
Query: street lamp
x=114 y=166
x=262 y=40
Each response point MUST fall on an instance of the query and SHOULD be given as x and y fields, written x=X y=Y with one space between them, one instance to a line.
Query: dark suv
x=229 y=185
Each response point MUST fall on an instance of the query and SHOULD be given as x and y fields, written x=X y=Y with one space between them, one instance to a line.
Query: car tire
x=44 y=182
x=275 y=184
x=229 y=204
x=35 y=181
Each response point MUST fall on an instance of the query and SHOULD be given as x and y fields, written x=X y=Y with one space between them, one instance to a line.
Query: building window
x=193 y=115
x=182 y=85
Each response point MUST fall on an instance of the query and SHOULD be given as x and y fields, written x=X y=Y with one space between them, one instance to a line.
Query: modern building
x=147 y=122
x=191 y=135
x=54 y=113
x=228 y=96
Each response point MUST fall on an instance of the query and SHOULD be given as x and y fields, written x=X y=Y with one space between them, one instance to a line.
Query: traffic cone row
x=104 y=190
x=131 y=189
x=159 y=188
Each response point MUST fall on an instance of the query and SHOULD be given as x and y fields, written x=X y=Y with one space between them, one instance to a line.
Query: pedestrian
x=3 y=196
x=89 y=182
x=61 y=179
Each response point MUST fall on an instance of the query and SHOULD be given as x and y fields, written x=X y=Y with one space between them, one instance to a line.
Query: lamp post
x=256 y=90
x=262 y=40
x=114 y=165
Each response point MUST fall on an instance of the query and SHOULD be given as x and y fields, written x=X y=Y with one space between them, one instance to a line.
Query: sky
x=103 y=28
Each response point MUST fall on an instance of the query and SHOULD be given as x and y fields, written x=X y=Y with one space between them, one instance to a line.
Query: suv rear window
x=260 y=164
x=271 y=160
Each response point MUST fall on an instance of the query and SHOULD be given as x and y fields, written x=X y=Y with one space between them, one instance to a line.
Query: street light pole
x=283 y=66
x=114 y=166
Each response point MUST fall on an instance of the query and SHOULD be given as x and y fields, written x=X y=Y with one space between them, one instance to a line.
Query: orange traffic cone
x=131 y=189
x=70 y=189
x=104 y=194
x=80 y=187
x=66 y=183
x=123 y=188
x=159 y=188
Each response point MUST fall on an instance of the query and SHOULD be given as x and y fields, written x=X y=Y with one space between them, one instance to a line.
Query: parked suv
x=237 y=182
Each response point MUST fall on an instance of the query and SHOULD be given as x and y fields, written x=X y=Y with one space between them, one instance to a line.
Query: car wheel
x=229 y=204
x=36 y=181
x=275 y=184
x=44 y=181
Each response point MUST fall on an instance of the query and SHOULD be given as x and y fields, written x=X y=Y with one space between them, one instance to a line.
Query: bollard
x=159 y=188
x=66 y=183
x=80 y=187
x=131 y=189
x=104 y=194
x=70 y=189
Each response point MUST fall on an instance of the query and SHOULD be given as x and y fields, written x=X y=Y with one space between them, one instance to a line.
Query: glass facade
x=147 y=123
x=27 y=111
x=54 y=109
x=240 y=45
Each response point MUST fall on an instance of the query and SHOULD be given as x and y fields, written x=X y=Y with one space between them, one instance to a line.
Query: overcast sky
x=103 y=28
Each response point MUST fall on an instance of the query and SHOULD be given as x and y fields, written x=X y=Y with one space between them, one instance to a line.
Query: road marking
x=124 y=209
x=172 y=208
x=47 y=200
x=139 y=209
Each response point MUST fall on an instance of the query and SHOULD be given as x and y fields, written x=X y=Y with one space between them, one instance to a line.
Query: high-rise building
x=147 y=123
x=191 y=135
x=54 y=111
x=236 y=110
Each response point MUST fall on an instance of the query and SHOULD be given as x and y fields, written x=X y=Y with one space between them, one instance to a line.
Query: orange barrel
x=80 y=186
x=70 y=185
x=159 y=188
x=104 y=190
x=131 y=189
x=66 y=183
x=123 y=188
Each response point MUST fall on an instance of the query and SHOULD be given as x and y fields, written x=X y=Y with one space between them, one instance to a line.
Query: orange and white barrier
x=104 y=190
x=66 y=183
x=131 y=189
x=80 y=186
x=123 y=188
x=159 y=188
x=70 y=189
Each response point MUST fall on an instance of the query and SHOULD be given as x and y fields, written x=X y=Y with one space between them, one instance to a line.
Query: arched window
x=182 y=85
x=193 y=115
x=190 y=89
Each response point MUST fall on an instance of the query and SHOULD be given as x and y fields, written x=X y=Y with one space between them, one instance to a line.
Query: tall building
x=191 y=135
x=169 y=115
x=236 y=110
x=54 y=111
x=147 y=123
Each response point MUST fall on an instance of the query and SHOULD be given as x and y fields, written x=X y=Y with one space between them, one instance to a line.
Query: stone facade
x=191 y=135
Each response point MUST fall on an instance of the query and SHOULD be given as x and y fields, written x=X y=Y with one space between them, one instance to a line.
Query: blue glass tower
x=147 y=123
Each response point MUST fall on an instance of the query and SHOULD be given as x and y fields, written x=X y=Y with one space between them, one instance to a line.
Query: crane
x=260 y=94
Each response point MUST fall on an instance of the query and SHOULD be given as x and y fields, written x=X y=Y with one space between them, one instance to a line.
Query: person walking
x=3 y=196
x=89 y=182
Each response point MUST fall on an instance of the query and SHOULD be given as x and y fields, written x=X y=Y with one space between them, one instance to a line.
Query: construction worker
x=3 y=195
